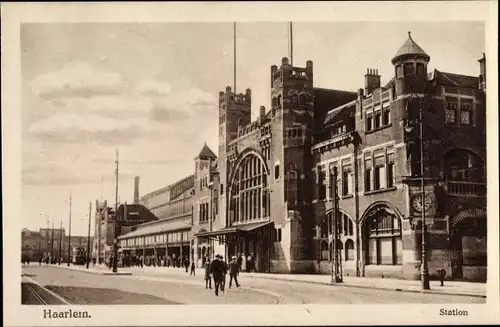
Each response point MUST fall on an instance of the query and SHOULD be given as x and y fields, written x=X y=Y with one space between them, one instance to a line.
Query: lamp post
x=424 y=271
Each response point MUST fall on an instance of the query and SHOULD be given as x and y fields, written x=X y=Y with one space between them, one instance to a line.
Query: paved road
x=87 y=288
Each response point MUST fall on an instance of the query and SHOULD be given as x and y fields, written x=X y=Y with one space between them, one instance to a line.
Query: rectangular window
x=387 y=116
x=276 y=171
x=399 y=71
x=378 y=120
x=465 y=114
x=346 y=177
x=368 y=173
x=369 y=123
x=420 y=69
x=409 y=69
x=379 y=172
x=451 y=113
x=390 y=169
x=321 y=183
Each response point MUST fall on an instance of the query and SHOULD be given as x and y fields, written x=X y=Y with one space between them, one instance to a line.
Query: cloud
x=165 y=113
x=154 y=88
x=78 y=79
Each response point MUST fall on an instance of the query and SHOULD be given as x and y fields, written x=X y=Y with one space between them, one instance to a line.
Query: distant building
x=129 y=216
x=45 y=243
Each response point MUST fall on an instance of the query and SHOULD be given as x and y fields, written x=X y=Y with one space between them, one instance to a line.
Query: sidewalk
x=449 y=288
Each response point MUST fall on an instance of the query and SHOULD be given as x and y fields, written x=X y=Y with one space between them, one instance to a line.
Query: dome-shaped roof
x=410 y=48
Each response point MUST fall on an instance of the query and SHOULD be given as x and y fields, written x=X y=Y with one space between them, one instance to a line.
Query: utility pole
x=424 y=270
x=52 y=245
x=291 y=42
x=115 y=241
x=336 y=275
x=69 y=232
x=234 y=53
x=60 y=243
x=46 y=246
x=88 y=235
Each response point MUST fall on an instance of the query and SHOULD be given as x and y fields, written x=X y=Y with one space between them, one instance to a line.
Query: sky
x=150 y=90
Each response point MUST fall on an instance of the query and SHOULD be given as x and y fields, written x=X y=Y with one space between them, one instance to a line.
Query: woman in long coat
x=208 y=278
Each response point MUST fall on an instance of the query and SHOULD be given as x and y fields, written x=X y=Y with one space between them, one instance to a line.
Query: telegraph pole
x=234 y=53
x=60 y=243
x=115 y=242
x=52 y=245
x=69 y=232
x=88 y=236
x=291 y=42
x=336 y=276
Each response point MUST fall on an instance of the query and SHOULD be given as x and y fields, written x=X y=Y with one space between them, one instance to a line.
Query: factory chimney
x=136 y=190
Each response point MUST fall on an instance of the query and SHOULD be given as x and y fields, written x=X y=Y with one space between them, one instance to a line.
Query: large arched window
x=250 y=196
x=345 y=225
x=382 y=237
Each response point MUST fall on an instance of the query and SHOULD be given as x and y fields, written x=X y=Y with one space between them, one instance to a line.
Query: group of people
x=218 y=269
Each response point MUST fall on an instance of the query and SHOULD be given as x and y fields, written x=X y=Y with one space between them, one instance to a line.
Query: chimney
x=262 y=113
x=136 y=190
x=372 y=80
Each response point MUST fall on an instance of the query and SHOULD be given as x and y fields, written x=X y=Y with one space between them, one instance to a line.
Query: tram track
x=32 y=293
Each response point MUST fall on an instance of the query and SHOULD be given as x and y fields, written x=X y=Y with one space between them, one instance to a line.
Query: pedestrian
x=239 y=260
x=141 y=261
x=217 y=270
x=234 y=269
x=192 y=269
x=249 y=263
x=40 y=261
x=225 y=268
x=208 y=279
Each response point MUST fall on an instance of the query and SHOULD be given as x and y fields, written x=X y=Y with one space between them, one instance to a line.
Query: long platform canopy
x=235 y=229
x=157 y=228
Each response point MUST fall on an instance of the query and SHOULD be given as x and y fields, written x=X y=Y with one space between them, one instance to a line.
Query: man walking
x=217 y=270
x=234 y=269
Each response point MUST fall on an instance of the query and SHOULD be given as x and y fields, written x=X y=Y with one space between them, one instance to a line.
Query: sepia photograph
x=246 y=162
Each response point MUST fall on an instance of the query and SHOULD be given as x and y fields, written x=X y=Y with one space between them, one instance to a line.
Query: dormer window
x=294 y=99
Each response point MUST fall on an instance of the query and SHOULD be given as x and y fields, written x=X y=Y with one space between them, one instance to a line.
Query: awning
x=235 y=229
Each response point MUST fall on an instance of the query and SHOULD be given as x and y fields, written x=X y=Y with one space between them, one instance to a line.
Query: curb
x=105 y=273
x=396 y=289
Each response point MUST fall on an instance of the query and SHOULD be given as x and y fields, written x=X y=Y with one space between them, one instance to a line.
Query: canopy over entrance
x=228 y=233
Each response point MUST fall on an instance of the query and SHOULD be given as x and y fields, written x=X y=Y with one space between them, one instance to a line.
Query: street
x=77 y=287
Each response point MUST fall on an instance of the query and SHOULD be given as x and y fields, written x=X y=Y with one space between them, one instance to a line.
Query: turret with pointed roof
x=206 y=153
x=410 y=49
x=410 y=64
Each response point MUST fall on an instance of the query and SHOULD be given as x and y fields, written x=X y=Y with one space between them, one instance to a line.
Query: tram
x=79 y=256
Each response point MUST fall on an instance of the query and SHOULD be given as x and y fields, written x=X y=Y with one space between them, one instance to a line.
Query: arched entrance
x=468 y=245
x=381 y=236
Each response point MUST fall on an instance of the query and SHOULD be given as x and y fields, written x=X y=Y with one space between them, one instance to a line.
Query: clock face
x=417 y=202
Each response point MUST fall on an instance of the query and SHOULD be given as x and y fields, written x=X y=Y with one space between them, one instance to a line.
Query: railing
x=466 y=188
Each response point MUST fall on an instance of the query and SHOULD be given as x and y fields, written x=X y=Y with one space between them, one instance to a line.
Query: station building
x=269 y=190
